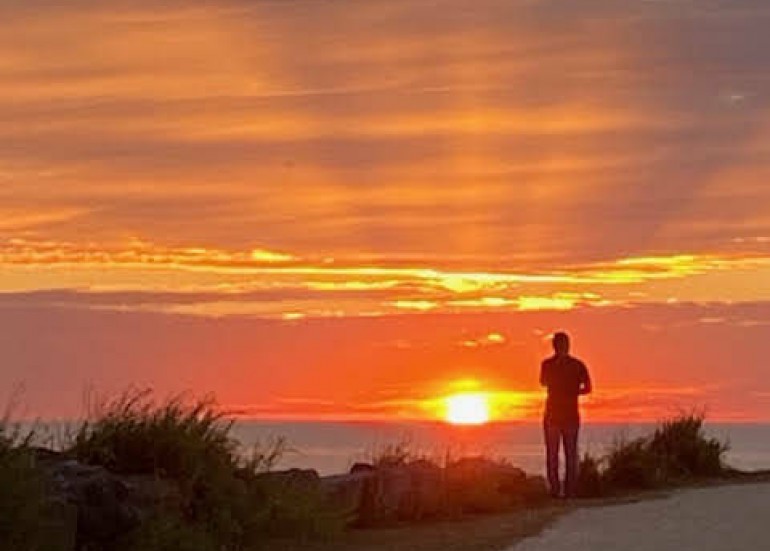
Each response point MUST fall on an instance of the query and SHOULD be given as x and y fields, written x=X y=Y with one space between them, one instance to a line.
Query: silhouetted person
x=566 y=378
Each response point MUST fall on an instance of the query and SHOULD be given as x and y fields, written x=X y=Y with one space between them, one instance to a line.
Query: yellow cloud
x=263 y=255
x=386 y=287
x=421 y=305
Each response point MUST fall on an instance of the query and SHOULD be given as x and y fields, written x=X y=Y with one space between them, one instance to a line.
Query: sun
x=467 y=408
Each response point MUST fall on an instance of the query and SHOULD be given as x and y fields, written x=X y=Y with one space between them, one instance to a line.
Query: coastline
x=138 y=453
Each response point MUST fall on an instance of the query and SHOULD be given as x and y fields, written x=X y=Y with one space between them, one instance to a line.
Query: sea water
x=332 y=447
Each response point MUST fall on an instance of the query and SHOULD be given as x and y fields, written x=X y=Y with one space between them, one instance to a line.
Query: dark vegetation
x=25 y=515
x=197 y=490
x=221 y=499
x=206 y=494
x=678 y=452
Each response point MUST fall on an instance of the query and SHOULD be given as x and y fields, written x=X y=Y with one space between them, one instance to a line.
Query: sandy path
x=724 y=518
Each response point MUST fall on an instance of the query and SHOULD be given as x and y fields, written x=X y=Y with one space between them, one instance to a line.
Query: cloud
x=490 y=339
x=194 y=168
x=25 y=219
x=415 y=126
x=315 y=409
x=263 y=281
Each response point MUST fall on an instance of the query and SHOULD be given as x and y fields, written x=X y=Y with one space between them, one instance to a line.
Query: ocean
x=332 y=447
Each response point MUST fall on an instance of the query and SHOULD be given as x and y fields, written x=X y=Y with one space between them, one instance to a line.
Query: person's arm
x=586 y=387
x=543 y=374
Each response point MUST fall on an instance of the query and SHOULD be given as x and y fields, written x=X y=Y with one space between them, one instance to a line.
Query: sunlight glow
x=468 y=408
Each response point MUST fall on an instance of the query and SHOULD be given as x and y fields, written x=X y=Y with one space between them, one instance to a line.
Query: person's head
x=561 y=343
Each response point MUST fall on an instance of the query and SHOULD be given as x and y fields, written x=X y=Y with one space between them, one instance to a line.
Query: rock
x=473 y=486
x=388 y=494
x=361 y=468
x=295 y=479
x=479 y=485
x=421 y=489
x=102 y=504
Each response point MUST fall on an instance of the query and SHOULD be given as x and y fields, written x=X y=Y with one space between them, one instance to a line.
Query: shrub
x=177 y=439
x=684 y=452
x=630 y=465
x=224 y=498
x=394 y=455
x=167 y=531
x=295 y=506
x=677 y=451
x=590 y=480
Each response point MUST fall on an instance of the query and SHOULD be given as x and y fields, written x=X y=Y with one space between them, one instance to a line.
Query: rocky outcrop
x=97 y=508
x=421 y=489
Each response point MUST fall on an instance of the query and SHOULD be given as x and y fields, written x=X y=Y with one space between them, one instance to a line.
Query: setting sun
x=468 y=408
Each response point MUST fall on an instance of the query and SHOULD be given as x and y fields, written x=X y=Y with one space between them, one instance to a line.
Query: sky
x=331 y=209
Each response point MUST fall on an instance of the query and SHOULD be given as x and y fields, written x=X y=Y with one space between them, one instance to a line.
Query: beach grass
x=677 y=452
x=225 y=501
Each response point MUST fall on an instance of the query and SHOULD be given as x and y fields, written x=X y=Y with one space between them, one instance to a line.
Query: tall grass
x=678 y=451
x=177 y=439
x=225 y=501
x=684 y=451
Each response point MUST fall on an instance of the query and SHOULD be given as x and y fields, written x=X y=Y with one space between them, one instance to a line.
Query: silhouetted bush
x=177 y=439
x=683 y=451
x=590 y=480
x=631 y=465
x=168 y=531
x=678 y=451
x=225 y=502
x=395 y=455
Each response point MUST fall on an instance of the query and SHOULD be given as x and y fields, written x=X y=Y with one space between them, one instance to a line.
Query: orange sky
x=346 y=209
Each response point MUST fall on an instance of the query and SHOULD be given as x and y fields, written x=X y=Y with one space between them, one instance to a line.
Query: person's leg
x=552 y=437
x=571 y=458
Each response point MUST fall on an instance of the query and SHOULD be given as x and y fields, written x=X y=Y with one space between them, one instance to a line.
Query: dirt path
x=721 y=518
x=483 y=533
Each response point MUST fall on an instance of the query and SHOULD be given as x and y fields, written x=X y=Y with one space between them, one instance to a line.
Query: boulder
x=362 y=468
x=294 y=479
x=386 y=494
x=100 y=504
x=421 y=489
x=479 y=485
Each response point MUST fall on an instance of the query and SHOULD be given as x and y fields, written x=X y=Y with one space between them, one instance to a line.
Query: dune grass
x=677 y=452
x=176 y=439
x=225 y=499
